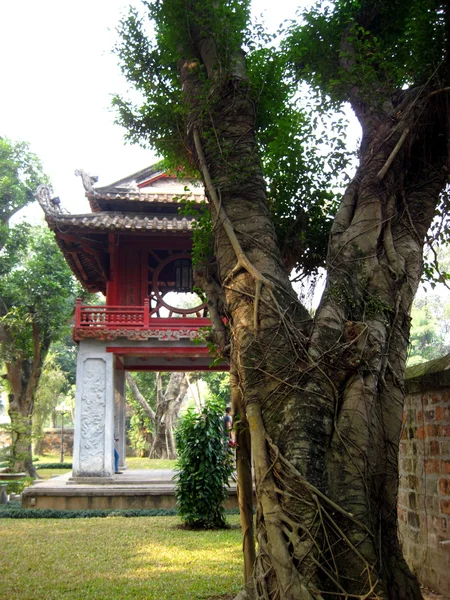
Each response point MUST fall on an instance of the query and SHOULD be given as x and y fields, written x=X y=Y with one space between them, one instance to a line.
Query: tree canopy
x=20 y=174
x=322 y=398
x=37 y=292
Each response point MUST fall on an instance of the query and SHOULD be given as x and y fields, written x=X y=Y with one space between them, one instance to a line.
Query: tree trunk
x=23 y=377
x=139 y=397
x=323 y=400
x=167 y=410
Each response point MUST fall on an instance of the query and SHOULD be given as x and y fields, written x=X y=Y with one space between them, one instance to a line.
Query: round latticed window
x=172 y=288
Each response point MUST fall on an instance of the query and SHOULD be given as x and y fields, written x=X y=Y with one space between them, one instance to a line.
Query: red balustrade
x=111 y=316
x=133 y=317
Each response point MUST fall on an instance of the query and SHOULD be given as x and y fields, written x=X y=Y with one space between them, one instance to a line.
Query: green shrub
x=17 y=486
x=204 y=467
x=15 y=511
x=58 y=465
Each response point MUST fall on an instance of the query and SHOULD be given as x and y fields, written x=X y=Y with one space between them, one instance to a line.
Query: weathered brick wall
x=51 y=442
x=424 y=494
x=5 y=439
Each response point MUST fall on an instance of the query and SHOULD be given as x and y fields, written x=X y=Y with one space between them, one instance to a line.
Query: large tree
x=37 y=294
x=20 y=174
x=164 y=412
x=323 y=397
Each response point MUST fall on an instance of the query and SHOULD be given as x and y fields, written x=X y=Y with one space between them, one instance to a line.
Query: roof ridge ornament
x=48 y=204
x=88 y=181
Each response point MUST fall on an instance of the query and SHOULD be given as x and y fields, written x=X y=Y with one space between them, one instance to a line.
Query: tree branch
x=139 y=397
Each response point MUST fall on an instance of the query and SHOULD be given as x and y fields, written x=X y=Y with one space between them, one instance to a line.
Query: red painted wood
x=165 y=366
x=135 y=317
x=78 y=312
x=186 y=351
x=146 y=313
x=150 y=180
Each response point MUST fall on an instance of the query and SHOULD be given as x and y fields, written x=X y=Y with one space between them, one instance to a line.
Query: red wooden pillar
x=146 y=313
x=78 y=312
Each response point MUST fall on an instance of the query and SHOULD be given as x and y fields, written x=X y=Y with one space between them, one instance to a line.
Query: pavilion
x=135 y=248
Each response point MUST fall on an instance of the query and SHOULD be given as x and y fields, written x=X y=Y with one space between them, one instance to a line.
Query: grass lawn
x=132 y=462
x=149 y=558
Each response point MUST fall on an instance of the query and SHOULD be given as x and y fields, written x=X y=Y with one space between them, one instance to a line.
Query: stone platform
x=131 y=489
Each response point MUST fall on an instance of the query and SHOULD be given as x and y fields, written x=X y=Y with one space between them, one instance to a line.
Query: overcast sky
x=57 y=78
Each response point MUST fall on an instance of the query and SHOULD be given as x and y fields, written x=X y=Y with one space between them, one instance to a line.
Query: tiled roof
x=143 y=196
x=119 y=221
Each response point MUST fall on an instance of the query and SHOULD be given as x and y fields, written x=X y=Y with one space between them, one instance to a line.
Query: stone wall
x=51 y=442
x=424 y=494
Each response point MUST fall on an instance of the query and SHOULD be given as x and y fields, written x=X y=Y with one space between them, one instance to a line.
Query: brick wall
x=51 y=442
x=5 y=439
x=424 y=493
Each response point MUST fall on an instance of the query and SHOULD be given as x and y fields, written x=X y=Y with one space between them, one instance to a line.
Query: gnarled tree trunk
x=168 y=404
x=167 y=410
x=23 y=378
x=323 y=399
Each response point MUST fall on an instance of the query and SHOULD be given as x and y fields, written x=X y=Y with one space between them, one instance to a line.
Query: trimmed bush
x=58 y=465
x=14 y=511
x=204 y=467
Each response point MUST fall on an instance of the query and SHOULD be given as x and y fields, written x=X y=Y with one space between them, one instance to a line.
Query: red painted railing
x=132 y=317
x=112 y=316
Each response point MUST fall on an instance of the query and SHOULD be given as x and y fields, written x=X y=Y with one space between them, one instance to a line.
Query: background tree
x=323 y=398
x=156 y=400
x=54 y=388
x=20 y=174
x=37 y=294
x=430 y=329
x=168 y=406
x=141 y=397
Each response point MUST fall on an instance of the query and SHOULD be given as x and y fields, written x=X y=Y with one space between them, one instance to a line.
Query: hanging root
x=243 y=262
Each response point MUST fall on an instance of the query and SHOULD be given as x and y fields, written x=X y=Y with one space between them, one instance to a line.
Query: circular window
x=172 y=286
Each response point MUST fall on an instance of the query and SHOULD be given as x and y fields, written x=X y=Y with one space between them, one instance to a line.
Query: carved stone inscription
x=93 y=408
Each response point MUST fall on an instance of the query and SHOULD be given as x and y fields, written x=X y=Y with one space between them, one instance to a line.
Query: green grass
x=48 y=473
x=149 y=558
x=133 y=462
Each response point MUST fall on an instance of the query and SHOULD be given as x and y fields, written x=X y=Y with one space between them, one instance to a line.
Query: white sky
x=57 y=77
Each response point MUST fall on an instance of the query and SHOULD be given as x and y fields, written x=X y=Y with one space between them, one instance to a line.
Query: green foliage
x=359 y=43
x=52 y=389
x=203 y=238
x=18 y=427
x=203 y=468
x=14 y=511
x=149 y=58
x=20 y=174
x=56 y=465
x=17 y=486
x=430 y=329
x=302 y=159
x=140 y=426
x=64 y=351
x=36 y=287
x=219 y=386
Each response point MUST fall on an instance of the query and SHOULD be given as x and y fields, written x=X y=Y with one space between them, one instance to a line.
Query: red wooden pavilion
x=135 y=248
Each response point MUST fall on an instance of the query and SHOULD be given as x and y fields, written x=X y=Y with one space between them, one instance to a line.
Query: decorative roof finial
x=43 y=195
x=88 y=180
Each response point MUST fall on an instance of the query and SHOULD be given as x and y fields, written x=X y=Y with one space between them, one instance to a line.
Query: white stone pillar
x=119 y=414
x=93 y=454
